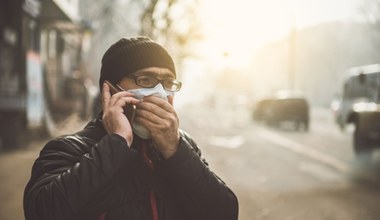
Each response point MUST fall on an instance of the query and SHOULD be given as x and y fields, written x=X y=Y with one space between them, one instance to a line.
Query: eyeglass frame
x=134 y=77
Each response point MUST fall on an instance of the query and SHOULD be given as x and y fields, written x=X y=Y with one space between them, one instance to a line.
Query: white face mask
x=157 y=91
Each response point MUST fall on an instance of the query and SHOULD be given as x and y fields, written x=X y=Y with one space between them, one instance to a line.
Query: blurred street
x=282 y=174
x=230 y=57
x=276 y=173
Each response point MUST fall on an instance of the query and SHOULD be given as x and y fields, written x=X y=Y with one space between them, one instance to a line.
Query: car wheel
x=296 y=125
x=299 y=125
x=361 y=144
x=306 y=125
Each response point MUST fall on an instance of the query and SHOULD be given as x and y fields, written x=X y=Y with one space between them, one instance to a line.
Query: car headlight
x=365 y=107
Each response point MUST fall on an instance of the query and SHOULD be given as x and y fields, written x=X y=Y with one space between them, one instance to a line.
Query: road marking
x=227 y=142
x=302 y=149
x=322 y=172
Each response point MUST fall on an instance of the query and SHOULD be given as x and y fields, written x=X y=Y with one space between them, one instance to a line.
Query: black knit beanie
x=128 y=55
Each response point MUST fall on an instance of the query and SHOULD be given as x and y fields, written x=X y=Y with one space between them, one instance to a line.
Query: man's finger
x=120 y=95
x=148 y=116
x=106 y=96
x=165 y=105
x=153 y=109
x=123 y=101
x=171 y=99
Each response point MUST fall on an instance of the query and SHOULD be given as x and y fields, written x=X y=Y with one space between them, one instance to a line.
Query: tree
x=171 y=22
x=371 y=12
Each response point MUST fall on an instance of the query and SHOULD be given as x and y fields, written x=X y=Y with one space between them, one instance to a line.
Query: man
x=131 y=170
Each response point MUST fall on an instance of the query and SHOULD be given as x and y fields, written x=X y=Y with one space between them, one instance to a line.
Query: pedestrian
x=143 y=169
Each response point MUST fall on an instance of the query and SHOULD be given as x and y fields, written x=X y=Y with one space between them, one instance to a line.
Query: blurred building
x=42 y=43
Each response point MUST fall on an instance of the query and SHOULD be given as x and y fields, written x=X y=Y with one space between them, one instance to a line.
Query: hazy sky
x=240 y=27
x=235 y=29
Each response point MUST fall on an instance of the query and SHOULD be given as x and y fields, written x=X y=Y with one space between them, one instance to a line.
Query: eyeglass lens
x=150 y=82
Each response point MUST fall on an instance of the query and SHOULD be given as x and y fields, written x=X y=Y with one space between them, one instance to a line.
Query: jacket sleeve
x=66 y=180
x=203 y=195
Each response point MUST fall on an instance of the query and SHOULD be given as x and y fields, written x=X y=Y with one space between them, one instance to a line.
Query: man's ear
x=171 y=99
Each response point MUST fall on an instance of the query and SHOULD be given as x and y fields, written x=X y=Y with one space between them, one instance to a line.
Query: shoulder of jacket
x=80 y=141
x=73 y=144
x=184 y=135
x=190 y=141
x=89 y=135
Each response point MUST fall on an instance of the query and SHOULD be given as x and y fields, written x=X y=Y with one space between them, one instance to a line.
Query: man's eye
x=168 y=83
x=146 y=80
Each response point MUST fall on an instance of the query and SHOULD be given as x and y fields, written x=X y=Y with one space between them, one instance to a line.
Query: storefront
x=41 y=75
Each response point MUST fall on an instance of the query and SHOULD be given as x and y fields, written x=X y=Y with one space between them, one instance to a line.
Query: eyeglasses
x=172 y=85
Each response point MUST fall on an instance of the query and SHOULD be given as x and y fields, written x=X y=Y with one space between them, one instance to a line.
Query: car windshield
x=363 y=86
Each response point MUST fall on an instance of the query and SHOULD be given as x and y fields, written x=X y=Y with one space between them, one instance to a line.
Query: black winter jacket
x=87 y=174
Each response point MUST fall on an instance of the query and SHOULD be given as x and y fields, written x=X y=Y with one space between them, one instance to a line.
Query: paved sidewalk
x=15 y=170
x=16 y=165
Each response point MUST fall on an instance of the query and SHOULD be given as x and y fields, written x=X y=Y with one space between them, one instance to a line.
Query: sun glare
x=236 y=30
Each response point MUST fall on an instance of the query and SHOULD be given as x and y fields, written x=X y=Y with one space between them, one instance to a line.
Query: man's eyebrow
x=152 y=73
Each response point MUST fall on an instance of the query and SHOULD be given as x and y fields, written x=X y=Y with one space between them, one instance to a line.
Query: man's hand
x=114 y=120
x=160 y=118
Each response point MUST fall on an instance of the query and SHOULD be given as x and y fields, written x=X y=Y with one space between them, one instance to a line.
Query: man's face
x=158 y=73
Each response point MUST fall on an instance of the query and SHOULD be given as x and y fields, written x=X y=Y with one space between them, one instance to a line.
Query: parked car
x=360 y=105
x=284 y=106
x=261 y=109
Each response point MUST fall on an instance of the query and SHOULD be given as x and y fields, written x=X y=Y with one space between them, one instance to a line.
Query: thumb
x=171 y=99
